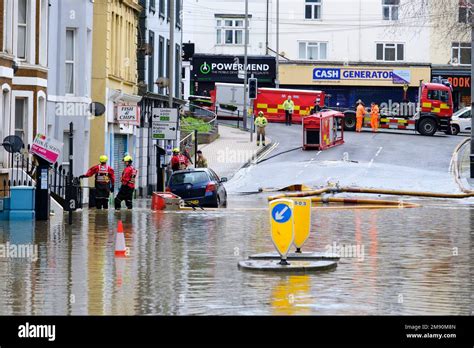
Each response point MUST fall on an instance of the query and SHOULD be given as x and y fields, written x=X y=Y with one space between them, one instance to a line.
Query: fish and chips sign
x=128 y=114
x=48 y=149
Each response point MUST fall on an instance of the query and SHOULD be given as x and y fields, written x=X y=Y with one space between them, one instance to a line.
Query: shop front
x=460 y=80
x=345 y=84
x=209 y=69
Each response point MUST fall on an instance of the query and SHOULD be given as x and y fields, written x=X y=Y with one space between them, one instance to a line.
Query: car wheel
x=224 y=204
x=349 y=122
x=218 y=203
x=455 y=129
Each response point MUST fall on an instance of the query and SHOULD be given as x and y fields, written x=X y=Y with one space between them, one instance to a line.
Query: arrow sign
x=282 y=225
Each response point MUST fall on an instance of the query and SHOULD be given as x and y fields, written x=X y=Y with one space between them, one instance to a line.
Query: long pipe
x=373 y=191
x=375 y=202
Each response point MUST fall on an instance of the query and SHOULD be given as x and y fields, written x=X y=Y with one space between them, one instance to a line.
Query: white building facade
x=355 y=37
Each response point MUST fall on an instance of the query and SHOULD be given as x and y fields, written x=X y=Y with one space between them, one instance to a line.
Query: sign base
x=303 y=256
x=293 y=267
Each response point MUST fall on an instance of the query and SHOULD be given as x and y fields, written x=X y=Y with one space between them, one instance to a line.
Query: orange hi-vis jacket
x=360 y=111
x=374 y=112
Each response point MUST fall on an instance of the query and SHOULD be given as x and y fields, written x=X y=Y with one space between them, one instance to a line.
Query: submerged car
x=199 y=187
x=461 y=121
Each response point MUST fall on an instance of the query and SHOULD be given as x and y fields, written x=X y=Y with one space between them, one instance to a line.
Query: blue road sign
x=281 y=213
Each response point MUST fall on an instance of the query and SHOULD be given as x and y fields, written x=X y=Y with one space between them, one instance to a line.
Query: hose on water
x=280 y=153
x=373 y=191
x=377 y=203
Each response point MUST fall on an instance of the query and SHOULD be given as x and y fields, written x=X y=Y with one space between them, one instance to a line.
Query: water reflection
x=186 y=263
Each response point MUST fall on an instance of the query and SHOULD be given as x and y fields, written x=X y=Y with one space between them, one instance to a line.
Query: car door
x=220 y=187
x=465 y=121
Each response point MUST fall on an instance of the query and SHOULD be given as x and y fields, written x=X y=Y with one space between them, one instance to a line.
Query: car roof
x=199 y=170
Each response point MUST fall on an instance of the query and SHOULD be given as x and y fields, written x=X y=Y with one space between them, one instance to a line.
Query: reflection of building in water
x=292 y=296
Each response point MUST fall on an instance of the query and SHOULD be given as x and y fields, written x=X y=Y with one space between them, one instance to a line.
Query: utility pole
x=472 y=95
x=277 y=82
x=171 y=53
x=266 y=29
x=246 y=63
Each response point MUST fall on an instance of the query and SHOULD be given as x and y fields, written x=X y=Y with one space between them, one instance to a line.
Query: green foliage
x=190 y=124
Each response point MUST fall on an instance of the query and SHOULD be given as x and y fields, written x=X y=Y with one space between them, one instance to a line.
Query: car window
x=189 y=178
x=467 y=114
x=214 y=175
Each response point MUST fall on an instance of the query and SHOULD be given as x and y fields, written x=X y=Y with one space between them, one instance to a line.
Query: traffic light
x=253 y=88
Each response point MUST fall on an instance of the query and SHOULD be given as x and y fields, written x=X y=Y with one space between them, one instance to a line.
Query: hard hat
x=127 y=159
x=360 y=102
x=260 y=113
x=103 y=159
x=175 y=149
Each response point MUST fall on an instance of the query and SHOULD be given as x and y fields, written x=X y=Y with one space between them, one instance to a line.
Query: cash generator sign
x=338 y=74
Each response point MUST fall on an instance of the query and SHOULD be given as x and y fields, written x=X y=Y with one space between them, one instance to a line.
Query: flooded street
x=412 y=261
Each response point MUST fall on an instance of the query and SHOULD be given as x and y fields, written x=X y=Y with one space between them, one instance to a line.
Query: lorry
x=432 y=113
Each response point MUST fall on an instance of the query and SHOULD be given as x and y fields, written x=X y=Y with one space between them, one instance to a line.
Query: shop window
x=313 y=50
x=390 y=52
x=465 y=11
x=461 y=53
x=390 y=9
x=313 y=9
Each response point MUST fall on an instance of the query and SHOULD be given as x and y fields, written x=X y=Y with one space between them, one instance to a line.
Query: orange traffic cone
x=120 y=248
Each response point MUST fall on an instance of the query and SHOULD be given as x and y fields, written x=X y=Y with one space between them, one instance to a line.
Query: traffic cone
x=120 y=248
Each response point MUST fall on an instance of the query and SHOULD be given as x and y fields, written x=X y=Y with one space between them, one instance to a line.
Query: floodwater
x=410 y=261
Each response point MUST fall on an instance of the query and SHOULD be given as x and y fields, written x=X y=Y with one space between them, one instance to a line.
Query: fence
x=23 y=173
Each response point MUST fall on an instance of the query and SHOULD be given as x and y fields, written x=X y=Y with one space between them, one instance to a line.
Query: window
x=65 y=149
x=20 y=118
x=438 y=95
x=162 y=8
x=461 y=53
x=178 y=13
x=169 y=9
x=230 y=32
x=151 y=62
x=161 y=60
x=313 y=50
x=390 y=52
x=22 y=29
x=313 y=9
x=152 y=5
x=465 y=11
x=390 y=9
x=70 y=55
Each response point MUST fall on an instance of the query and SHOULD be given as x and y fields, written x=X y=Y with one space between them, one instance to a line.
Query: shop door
x=120 y=148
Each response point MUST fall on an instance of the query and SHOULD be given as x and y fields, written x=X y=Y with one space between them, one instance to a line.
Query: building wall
x=30 y=79
x=63 y=107
x=350 y=28
x=114 y=72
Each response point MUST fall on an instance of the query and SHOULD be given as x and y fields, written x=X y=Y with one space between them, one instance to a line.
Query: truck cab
x=436 y=109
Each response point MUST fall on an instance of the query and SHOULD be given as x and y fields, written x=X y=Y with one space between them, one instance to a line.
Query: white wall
x=350 y=27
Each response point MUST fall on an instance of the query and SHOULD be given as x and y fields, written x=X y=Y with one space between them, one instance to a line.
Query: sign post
x=302 y=219
x=282 y=226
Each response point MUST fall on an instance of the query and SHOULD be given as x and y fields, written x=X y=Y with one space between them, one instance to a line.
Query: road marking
x=371 y=162
x=318 y=153
x=379 y=151
x=299 y=173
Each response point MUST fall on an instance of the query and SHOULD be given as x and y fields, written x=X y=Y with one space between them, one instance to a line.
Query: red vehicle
x=433 y=113
x=270 y=101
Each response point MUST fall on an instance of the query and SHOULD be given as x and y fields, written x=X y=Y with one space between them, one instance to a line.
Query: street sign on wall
x=48 y=149
x=128 y=114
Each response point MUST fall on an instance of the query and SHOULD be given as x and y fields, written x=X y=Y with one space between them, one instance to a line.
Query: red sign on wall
x=460 y=82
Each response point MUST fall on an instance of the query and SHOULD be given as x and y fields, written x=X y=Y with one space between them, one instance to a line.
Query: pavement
x=231 y=151
x=402 y=160
x=464 y=167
